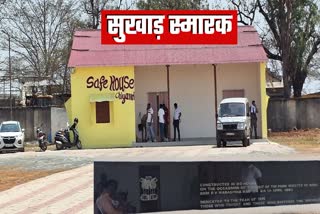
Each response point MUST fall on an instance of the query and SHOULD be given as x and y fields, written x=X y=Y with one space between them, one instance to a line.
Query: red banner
x=169 y=27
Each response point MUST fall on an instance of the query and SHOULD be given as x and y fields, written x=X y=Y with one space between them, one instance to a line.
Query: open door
x=155 y=99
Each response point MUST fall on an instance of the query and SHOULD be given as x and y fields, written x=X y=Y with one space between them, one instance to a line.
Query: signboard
x=250 y=184
x=111 y=84
x=203 y=185
x=169 y=27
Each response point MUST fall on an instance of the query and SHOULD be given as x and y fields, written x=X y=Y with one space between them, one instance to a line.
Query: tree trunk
x=298 y=83
x=287 y=83
x=286 y=87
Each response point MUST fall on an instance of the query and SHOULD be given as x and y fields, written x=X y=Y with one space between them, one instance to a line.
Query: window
x=103 y=112
x=232 y=110
x=10 y=127
x=232 y=93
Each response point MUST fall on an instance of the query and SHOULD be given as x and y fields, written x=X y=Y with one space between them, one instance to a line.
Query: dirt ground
x=304 y=141
x=15 y=176
x=11 y=177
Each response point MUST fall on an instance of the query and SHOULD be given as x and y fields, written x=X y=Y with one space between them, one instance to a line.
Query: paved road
x=68 y=159
x=72 y=191
x=31 y=161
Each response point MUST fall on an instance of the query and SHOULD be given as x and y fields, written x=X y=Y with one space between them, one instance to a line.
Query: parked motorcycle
x=62 y=137
x=42 y=139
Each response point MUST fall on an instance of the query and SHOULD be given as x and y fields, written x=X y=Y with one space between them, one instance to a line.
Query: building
x=274 y=85
x=112 y=84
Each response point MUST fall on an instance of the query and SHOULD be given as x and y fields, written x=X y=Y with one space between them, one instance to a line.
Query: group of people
x=163 y=120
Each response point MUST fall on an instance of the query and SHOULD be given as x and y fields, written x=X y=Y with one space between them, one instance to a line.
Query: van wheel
x=224 y=143
x=218 y=142
x=245 y=142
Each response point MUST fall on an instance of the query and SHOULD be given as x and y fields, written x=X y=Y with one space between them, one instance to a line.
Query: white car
x=11 y=136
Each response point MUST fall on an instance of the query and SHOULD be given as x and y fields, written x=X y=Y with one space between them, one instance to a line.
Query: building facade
x=197 y=77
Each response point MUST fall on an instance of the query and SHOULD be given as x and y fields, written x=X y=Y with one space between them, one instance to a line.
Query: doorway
x=155 y=99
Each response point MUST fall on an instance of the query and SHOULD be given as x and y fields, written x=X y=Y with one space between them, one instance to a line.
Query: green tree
x=172 y=5
x=292 y=35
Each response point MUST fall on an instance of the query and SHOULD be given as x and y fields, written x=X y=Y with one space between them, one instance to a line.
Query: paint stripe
x=53 y=192
x=44 y=188
x=55 y=199
x=79 y=207
x=60 y=206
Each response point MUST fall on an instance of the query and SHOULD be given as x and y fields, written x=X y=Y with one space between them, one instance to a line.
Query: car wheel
x=21 y=150
x=218 y=142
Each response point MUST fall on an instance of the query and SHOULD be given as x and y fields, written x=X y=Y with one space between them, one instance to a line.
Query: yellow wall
x=264 y=100
x=120 y=132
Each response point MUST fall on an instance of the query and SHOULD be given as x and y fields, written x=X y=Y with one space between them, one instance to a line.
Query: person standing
x=176 y=121
x=166 y=121
x=149 y=122
x=161 y=114
x=253 y=115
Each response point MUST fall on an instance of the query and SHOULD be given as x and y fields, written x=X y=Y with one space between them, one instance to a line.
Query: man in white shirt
x=161 y=114
x=149 y=122
x=176 y=121
x=253 y=115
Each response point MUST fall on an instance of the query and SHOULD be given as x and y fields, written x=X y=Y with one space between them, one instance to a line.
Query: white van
x=233 y=122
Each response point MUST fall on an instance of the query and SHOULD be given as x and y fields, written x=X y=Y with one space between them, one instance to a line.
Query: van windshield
x=232 y=110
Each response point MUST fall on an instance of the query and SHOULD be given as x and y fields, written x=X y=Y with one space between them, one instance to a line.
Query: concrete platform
x=190 y=142
x=260 y=150
x=179 y=164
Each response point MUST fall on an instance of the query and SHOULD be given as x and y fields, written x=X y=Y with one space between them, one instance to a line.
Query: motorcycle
x=42 y=140
x=62 y=137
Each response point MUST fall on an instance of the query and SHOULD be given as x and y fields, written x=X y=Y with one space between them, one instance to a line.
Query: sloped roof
x=87 y=50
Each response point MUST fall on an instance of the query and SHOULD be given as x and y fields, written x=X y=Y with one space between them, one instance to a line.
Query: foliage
x=172 y=5
x=93 y=9
x=292 y=35
x=40 y=33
